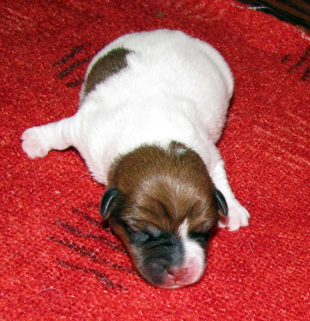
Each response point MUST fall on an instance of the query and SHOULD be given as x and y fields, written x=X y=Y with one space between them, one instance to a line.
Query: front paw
x=237 y=217
x=34 y=144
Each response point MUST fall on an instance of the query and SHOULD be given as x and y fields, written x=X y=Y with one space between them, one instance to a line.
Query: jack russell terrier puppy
x=152 y=107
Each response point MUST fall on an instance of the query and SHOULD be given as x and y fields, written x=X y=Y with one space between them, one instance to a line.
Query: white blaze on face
x=194 y=254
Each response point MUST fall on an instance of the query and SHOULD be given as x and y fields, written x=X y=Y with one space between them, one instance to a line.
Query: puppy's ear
x=107 y=200
x=221 y=202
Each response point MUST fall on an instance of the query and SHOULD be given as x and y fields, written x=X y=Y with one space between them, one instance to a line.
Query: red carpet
x=58 y=262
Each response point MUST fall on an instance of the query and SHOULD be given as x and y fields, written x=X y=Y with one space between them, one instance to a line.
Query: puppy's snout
x=171 y=276
x=177 y=274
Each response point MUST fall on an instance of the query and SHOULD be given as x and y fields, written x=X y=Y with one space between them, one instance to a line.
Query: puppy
x=152 y=107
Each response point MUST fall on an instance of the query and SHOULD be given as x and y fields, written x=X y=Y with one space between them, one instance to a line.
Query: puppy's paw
x=34 y=144
x=237 y=217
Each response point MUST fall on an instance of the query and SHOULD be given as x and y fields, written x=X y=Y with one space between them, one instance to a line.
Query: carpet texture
x=58 y=262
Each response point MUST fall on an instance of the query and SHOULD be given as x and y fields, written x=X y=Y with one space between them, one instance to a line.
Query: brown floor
x=294 y=11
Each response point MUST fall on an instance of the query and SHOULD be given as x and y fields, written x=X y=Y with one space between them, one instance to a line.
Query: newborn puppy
x=152 y=108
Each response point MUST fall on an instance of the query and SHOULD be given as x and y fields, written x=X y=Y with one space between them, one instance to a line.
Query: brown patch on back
x=107 y=66
x=162 y=187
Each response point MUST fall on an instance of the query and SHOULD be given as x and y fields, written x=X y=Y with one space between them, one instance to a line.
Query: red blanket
x=59 y=262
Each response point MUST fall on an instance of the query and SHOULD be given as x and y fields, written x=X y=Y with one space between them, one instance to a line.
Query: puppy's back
x=156 y=87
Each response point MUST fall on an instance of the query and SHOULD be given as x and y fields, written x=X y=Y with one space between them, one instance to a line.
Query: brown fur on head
x=156 y=191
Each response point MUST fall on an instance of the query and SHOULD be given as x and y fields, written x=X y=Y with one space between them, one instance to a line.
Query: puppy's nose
x=178 y=274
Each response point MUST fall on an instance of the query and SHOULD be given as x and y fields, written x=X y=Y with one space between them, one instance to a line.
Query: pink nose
x=178 y=274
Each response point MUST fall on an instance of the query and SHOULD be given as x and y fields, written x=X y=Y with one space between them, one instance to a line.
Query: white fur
x=175 y=88
x=194 y=255
x=193 y=265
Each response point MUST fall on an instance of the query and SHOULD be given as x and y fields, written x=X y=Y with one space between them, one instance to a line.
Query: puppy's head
x=163 y=205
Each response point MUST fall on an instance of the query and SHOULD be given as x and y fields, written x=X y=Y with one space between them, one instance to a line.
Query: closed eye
x=201 y=237
x=139 y=236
